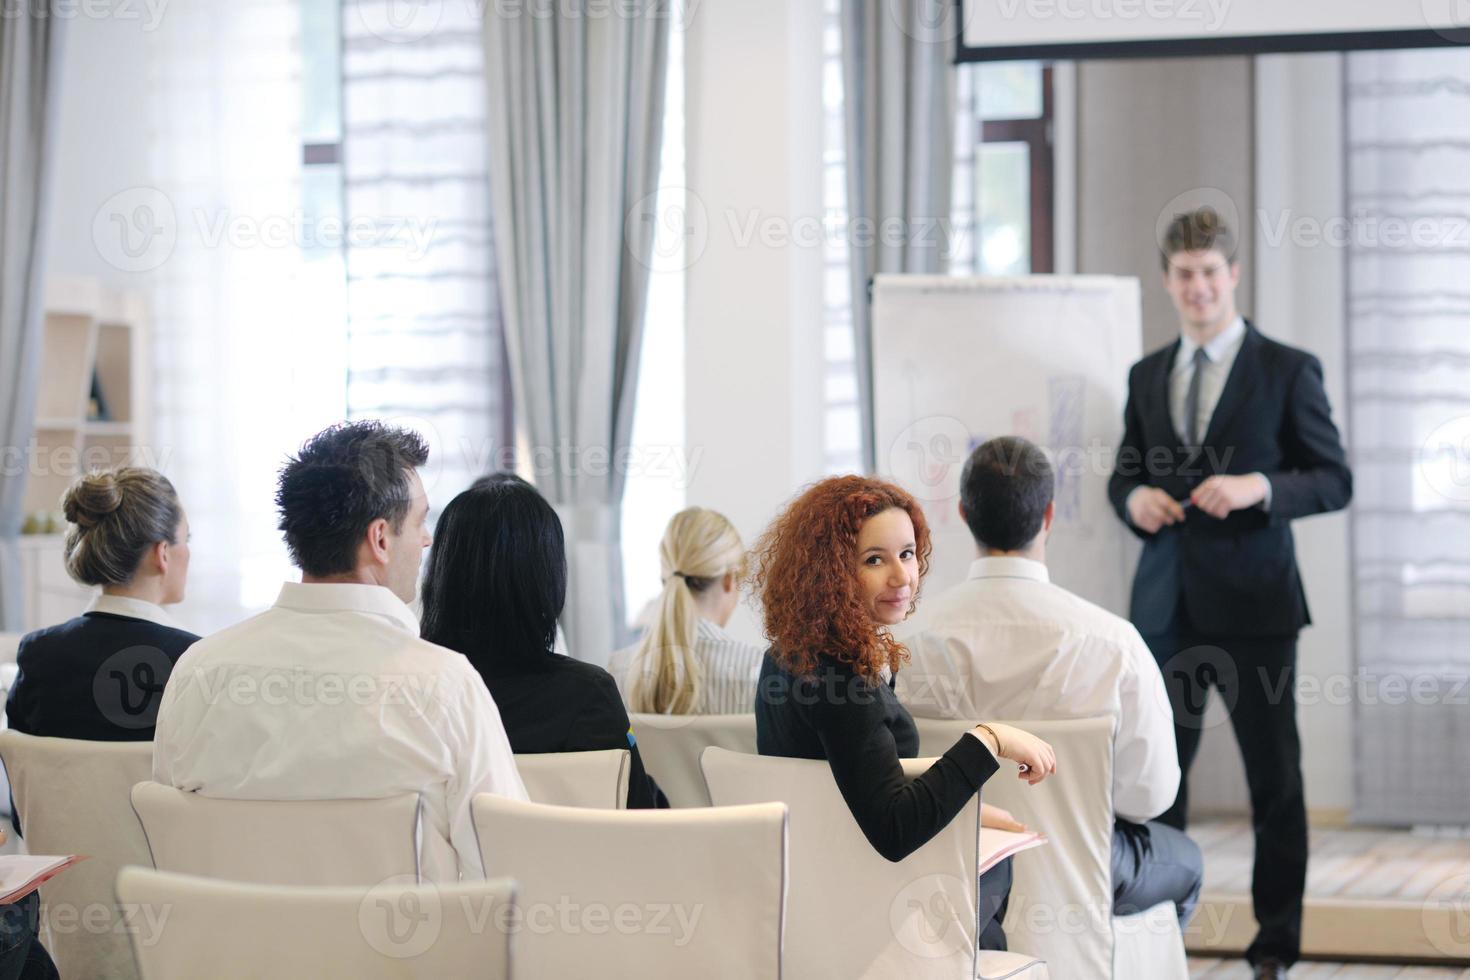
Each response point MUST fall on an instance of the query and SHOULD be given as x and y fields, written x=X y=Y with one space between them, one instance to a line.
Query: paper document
x=997 y=845
x=21 y=874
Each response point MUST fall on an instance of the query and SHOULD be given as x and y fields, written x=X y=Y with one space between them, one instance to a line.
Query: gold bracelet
x=981 y=724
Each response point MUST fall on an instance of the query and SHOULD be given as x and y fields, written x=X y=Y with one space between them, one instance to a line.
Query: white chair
x=186 y=927
x=639 y=894
x=1062 y=896
x=672 y=744
x=598 y=780
x=72 y=797
x=851 y=914
x=267 y=842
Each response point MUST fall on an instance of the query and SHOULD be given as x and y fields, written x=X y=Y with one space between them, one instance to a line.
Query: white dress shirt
x=1220 y=351
x=1006 y=644
x=331 y=694
x=731 y=670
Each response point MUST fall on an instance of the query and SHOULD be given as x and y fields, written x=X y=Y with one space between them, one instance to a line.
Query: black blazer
x=552 y=703
x=99 y=676
x=1238 y=576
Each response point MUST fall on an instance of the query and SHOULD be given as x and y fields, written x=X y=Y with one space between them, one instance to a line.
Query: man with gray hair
x=1008 y=643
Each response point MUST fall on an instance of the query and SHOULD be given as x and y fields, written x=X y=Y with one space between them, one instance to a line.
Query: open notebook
x=997 y=845
x=21 y=874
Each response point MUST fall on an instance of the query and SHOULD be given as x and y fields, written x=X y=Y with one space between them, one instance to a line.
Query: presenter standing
x=1228 y=437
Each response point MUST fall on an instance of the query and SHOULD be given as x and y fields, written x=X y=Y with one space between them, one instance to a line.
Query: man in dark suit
x=1228 y=437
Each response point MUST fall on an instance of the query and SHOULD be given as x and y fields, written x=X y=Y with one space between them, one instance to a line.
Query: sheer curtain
x=243 y=370
x=1409 y=357
x=424 y=344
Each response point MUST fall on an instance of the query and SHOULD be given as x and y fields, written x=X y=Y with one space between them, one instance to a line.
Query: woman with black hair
x=495 y=585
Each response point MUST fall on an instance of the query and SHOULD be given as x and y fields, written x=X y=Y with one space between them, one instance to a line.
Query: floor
x=1237 y=970
x=1345 y=862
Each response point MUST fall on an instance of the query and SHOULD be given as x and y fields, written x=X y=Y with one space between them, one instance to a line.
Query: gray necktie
x=1191 y=399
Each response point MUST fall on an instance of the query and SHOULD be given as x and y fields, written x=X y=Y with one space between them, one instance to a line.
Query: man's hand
x=1150 y=508
x=1219 y=495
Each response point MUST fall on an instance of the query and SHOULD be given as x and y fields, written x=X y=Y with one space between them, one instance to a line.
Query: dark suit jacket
x=99 y=676
x=1238 y=576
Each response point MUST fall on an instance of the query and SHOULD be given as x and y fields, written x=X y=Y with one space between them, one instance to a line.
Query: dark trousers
x=1256 y=679
x=995 y=897
x=22 y=957
x=1153 y=863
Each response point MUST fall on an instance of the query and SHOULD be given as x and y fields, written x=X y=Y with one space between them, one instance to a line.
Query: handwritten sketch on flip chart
x=959 y=361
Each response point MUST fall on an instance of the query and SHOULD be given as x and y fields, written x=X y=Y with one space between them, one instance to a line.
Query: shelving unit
x=90 y=331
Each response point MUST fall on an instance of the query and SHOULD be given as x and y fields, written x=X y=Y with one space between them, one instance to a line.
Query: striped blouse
x=731 y=668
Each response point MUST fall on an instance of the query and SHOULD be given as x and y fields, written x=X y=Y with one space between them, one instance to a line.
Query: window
x=656 y=487
x=1001 y=205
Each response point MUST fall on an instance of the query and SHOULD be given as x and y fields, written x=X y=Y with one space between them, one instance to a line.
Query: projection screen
x=1000 y=30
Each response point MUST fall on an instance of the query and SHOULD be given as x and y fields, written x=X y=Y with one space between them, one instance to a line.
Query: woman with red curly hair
x=833 y=572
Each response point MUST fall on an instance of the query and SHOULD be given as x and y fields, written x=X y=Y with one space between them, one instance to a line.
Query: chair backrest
x=590 y=779
x=72 y=798
x=672 y=744
x=186 y=927
x=641 y=894
x=851 y=913
x=268 y=842
x=1061 y=906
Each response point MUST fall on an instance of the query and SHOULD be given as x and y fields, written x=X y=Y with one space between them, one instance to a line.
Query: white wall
x=1300 y=300
x=103 y=142
x=753 y=306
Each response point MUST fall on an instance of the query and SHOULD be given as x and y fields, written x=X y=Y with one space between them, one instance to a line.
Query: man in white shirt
x=1007 y=643
x=330 y=693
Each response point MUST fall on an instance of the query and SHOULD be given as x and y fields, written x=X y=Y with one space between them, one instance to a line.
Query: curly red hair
x=805 y=573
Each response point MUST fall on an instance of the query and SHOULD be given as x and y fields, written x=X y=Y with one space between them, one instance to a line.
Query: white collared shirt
x=122 y=605
x=1007 y=644
x=1221 y=352
x=331 y=694
x=731 y=670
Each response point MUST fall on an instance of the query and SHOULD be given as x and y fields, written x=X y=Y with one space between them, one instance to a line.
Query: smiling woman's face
x=888 y=567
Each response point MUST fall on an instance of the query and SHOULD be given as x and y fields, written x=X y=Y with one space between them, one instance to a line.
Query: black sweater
x=862 y=731
x=552 y=703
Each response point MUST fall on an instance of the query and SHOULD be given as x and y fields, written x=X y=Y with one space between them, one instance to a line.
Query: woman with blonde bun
x=100 y=676
x=686 y=663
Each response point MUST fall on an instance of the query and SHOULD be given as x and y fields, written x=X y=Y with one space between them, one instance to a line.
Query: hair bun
x=92 y=498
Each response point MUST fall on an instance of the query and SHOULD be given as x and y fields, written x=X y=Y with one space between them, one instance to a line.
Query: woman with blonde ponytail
x=686 y=663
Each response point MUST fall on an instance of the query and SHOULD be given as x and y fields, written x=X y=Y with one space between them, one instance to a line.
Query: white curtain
x=30 y=75
x=244 y=367
x=1409 y=357
x=575 y=115
x=424 y=345
x=898 y=83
